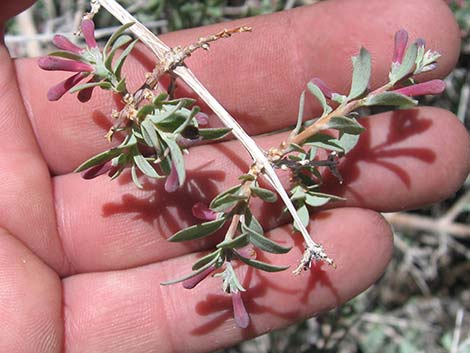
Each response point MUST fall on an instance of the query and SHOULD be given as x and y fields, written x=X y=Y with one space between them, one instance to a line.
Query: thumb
x=10 y=8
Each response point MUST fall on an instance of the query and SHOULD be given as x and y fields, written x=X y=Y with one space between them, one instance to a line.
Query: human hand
x=81 y=261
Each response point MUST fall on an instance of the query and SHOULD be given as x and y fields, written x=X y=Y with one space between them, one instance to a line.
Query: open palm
x=81 y=261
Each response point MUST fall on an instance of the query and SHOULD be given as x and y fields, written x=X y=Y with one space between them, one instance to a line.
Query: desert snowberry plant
x=159 y=128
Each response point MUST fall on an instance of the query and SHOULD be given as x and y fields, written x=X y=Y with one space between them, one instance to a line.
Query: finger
x=30 y=301
x=9 y=9
x=26 y=195
x=404 y=160
x=128 y=311
x=263 y=72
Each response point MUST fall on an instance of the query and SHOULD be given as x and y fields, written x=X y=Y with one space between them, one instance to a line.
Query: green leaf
x=198 y=231
x=246 y=177
x=339 y=98
x=255 y=234
x=316 y=91
x=251 y=222
x=122 y=58
x=214 y=133
x=390 y=99
x=300 y=115
x=345 y=125
x=116 y=35
x=66 y=55
x=149 y=134
x=177 y=158
x=100 y=158
x=158 y=100
x=316 y=201
x=267 y=244
x=186 y=102
x=348 y=141
x=206 y=259
x=191 y=275
x=303 y=214
x=261 y=265
x=101 y=84
x=135 y=178
x=121 y=41
x=145 y=110
x=263 y=194
x=190 y=116
x=324 y=141
x=160 y=117
x=330 y=196
x=401 y=71
x=361 y=74
x=144 y=165
x=238 y=242
x=226 y=199
x=121 y=86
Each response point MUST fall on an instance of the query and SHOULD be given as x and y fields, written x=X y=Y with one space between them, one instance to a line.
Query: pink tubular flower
x=401 y=40
x=172 y=182
x=327 y=92
x=201 y=211
x=82 y=65
x=202 y=118
x=64 y=43
x=192 y=282
x=421 y=89
x=239 y=311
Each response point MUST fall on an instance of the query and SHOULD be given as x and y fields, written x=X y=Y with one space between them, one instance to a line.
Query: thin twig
x=414 y=222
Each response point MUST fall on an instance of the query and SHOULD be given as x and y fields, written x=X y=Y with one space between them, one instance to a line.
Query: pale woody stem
x=162 y=51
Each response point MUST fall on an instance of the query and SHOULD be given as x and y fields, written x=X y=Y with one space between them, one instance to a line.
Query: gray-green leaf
x=145 y=166
x=263 y=194
x=344 y=124
x=261 y=265
x=390 y=99
x=316 y=91
x=198 y=231
x=205 y=260
x=361 y=74
x=399 y=72
x=214 y=133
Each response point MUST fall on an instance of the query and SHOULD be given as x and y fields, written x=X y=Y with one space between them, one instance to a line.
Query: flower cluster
x=88 y=62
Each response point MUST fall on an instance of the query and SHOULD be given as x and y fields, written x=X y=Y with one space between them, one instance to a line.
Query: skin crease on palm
x=81 y=261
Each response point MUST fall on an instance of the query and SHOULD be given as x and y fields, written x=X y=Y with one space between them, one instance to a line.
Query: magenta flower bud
x=88 y=30
x=201 y=211
x=97 y=170
x=192 y=282
x=84 y=95
x=420 y=42
x=239 y=311
x=401 y=40
x=54 y=64
x=172 y=182
x=186 y=143
x=421 y=89
x=327 y=92
x=64 y=43
x=247 y=251
x=202 y=118
x=56 y=92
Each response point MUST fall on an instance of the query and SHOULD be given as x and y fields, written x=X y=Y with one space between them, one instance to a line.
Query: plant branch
x=164 y=54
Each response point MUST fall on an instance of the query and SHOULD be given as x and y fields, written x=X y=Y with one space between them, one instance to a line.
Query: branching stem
x=164 y=54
